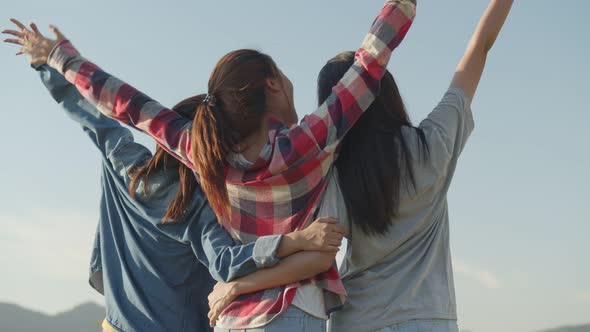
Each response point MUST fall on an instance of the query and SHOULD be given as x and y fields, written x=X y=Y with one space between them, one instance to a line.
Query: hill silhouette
x=82 y=318
x=87 y=317
x=579 y=328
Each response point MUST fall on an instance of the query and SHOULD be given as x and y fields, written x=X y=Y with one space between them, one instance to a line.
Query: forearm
x=75 y=106
x=359 y=86
x=107 y=134
x=471 y=66
x=233 y=261
x=225 y=258
x=290 y=244
x=490 y=25
x=120 y=101
x=294 y=268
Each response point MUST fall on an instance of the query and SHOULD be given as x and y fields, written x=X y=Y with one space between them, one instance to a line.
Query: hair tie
x=209 y=100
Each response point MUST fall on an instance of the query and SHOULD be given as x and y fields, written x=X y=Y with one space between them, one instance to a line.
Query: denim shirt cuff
x=265 y=250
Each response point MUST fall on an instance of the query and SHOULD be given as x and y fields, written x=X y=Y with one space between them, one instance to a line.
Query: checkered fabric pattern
x=281 y=191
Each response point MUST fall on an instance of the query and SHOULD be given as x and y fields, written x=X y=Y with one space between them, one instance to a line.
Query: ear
x=273 y=84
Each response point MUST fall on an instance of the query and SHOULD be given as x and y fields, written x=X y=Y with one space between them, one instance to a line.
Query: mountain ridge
x=571 y=328
x=85 y=317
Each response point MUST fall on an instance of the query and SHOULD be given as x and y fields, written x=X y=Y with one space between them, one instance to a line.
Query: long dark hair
x=163 y=161
x=374 y=161
x=235 y=110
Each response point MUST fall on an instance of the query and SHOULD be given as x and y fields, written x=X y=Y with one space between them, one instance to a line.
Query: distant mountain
x=86 y=317
x=579 y=328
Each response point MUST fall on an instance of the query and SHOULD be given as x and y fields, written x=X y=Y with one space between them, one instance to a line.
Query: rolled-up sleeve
x=226 y=259
x=265 y=249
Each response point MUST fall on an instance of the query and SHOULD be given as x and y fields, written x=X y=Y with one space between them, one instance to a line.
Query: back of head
x=374 y=158
x=234 y=110
x=163 y=161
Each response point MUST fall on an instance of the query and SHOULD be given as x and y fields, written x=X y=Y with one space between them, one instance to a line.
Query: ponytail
x=212 y=139
x=233 y=110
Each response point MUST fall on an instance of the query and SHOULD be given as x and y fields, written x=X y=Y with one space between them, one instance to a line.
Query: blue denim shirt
x=155 y=276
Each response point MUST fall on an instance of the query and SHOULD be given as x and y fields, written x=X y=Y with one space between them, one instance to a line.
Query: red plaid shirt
x=281 y=191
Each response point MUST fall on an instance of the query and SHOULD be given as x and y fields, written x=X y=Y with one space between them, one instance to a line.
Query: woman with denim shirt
x=156 y=273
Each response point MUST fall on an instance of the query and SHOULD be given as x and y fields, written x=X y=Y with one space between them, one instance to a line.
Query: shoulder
x=452 y=113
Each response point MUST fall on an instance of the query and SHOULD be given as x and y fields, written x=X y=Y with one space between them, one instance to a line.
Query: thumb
x=57 y=33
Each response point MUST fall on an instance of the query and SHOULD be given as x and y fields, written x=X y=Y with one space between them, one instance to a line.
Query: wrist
x=61 y=54
x=298 y=240
x=290 y=244
x=235 y=289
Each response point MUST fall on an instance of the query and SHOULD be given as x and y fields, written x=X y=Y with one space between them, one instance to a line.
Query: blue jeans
x=423 y=325
x=292 y=320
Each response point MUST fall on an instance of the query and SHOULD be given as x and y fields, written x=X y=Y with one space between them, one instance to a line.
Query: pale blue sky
x=519 y=208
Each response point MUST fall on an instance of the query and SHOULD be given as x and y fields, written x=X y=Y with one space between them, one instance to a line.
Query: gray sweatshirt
x=407 y=274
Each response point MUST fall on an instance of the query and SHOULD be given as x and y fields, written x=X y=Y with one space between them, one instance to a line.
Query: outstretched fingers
x=35 y=29
x=19 y=41
x=14 y=33
x=22 y=35
x=14 y=41
x=19 y=24
x=32 y=41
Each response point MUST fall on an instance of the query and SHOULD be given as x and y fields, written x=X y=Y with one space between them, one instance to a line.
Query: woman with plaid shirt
x=390 y=193
x=261 y=173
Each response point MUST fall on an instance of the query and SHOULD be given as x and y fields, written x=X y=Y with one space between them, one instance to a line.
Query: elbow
x=487 y=47
x=481 y=48
x=220 y=275
x=488 y=43
x=222 y=271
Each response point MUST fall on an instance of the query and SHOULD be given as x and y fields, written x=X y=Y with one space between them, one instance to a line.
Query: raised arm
x=115 y=143
x=120 y=101
x=355 y=92
x=111 y=96
x=470 y=69
x=294 y=268
x=448 y=127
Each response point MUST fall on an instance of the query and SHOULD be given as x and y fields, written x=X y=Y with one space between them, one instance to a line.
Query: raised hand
x=32 y=41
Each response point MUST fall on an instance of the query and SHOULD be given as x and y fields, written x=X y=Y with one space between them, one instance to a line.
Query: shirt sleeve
x=115 y=142
x=447 y=129
x=354 y=93
x=120 y=101
x=226 y=259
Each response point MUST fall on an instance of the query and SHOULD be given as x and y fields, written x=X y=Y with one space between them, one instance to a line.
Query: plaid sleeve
x=323 y=129
x=120 y=101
